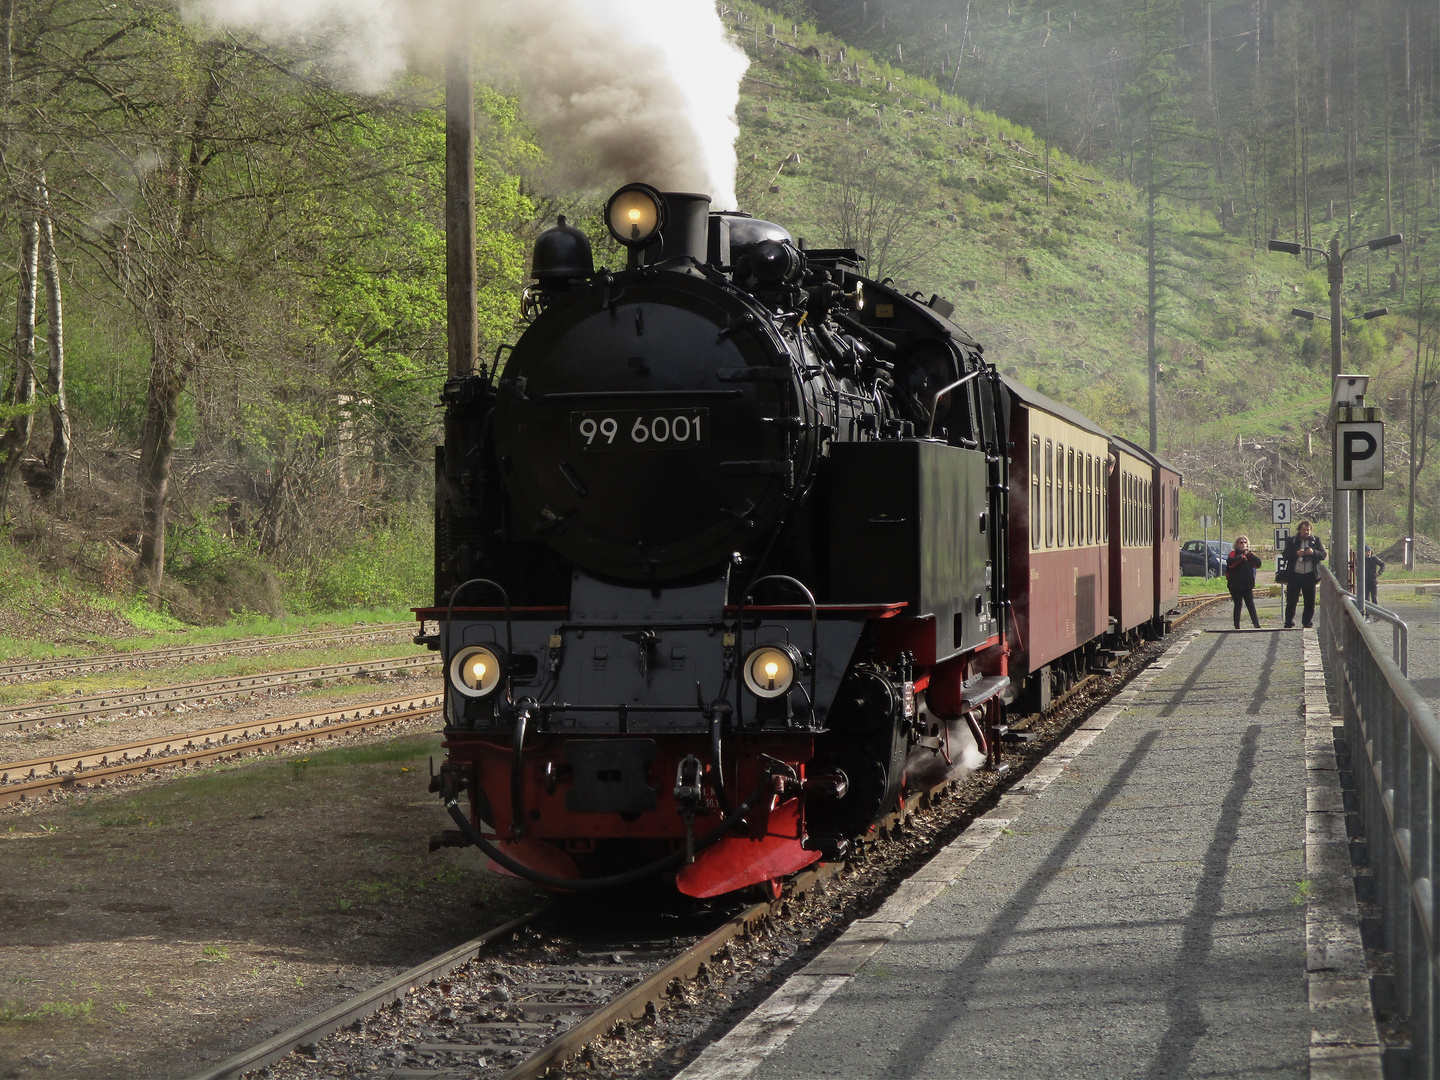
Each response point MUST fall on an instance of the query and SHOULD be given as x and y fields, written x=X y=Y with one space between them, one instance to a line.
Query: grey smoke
x=619 y=90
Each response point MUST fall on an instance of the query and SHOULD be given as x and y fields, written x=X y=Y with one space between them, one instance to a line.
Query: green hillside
x=287 y=346
x=1044 y=258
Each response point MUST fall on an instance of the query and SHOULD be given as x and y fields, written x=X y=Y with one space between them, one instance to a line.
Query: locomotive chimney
x=460 y=320
x=686 y=232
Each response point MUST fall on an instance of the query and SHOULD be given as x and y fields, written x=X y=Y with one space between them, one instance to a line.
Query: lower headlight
x=476 y=671
x=771 y=670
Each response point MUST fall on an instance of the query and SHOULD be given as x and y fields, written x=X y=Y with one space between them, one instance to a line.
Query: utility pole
x=1335 y=267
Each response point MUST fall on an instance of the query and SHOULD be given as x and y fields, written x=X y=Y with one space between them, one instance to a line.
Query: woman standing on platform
x=1240 y=567
x=1303 y=555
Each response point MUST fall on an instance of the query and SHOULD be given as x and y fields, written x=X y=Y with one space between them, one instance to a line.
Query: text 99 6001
x=641 y=429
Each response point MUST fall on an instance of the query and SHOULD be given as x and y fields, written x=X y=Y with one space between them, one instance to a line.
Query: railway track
x=65 y=665
x=20 y=780
x=532 y=1011
x=52 y=713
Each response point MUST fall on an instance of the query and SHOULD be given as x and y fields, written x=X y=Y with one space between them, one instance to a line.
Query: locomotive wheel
x=768 y=891
x=868 y=742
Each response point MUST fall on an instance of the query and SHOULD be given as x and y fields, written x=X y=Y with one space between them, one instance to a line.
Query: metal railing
x=1399 y=632
x=1394 y=742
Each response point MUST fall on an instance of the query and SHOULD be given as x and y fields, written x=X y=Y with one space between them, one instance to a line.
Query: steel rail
x=632 y=1003
x=652 y=991
x=71 y=664
x=99 y=704
x=11 y=793
x=359 y=1006
x=149 y=750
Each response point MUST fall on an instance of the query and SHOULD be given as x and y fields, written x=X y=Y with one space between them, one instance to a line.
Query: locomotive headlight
x=635 y=214
x=771 y=670
x=476 y=670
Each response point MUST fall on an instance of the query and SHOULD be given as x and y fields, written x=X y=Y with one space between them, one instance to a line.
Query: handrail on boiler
x=935 y=402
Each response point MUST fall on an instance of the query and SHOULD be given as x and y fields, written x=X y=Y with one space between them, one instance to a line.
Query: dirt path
x=148 y=930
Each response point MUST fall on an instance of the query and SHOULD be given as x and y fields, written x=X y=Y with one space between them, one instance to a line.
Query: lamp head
x=1350 y=391
x=1284 y=245
x=635 y=215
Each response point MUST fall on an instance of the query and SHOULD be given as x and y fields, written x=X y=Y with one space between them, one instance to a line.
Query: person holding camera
x=1303 y=555
x=1240 y=567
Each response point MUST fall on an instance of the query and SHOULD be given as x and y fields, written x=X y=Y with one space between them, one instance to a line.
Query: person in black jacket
x=1240 y=567
x=1303 y=555
x=1374 y=567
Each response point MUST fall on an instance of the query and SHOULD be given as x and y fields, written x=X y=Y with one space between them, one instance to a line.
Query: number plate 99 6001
x=641 y=429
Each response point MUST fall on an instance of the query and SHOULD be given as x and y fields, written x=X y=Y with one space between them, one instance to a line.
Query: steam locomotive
x=739 y=543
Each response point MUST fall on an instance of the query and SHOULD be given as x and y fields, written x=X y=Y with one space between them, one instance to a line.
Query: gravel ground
x=156 y=926
x=402 y=1041
x=1422 y=613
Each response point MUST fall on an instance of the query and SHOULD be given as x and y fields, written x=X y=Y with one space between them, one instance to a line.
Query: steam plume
x=620 y=90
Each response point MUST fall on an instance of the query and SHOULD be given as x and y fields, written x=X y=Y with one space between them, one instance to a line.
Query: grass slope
x=1044 y=258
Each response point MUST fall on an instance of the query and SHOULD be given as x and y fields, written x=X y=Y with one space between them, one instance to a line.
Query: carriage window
x=1128 y=537
x=1087 y=507
x=1059 y=495
x=1105 y=503
x=1035 y=492
x=1145 y=537
x=1175 y=513
x=1130 y=517
x=1099 y=498
x=1049 y=494
x=1124 y=509
x=1070 y=491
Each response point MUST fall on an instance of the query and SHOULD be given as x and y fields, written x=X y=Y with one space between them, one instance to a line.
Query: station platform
x=1168 y=894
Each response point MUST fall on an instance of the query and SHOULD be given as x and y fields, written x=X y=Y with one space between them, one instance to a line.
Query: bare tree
x=20 y=397
x=870 y=205
x=59 y=455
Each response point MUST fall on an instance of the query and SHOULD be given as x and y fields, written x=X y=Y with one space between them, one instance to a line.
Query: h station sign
x=1360 y=454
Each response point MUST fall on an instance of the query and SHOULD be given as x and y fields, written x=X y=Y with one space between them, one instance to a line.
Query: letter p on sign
x=1360 y=456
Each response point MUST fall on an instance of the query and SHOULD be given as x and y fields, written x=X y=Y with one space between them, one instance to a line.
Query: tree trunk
x=21 y=395
x=173 y=354
x=168 y=375
x=59 y=455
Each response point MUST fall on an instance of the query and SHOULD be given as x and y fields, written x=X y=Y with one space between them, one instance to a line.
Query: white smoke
x=620 y=90
x=959 y=754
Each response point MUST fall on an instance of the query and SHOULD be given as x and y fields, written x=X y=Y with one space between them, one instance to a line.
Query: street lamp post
x=1428 y=384
x=1301 y=313
x=1335 y=265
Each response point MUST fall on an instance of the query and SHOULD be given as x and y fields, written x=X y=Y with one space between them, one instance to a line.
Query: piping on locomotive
x=720 y=557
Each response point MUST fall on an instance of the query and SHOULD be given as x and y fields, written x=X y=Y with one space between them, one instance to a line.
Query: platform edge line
x=1344 y=1041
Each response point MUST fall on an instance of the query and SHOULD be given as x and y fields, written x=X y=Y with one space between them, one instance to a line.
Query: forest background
x=225 y=266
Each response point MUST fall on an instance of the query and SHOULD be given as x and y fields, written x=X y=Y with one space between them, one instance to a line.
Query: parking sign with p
x=1360 y=456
